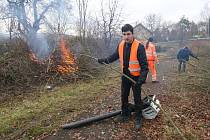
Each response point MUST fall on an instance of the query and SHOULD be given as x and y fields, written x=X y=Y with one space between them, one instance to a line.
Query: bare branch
x=110 y=20
x=37 y=22
x=35 y=9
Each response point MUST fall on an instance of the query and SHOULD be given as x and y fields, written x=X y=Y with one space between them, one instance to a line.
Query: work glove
x=102 y=61
x=139 y=82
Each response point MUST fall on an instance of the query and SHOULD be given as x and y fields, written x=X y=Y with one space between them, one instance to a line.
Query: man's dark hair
x=127 y=27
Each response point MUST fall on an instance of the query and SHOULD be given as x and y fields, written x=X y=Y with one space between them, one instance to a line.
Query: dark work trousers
x=182 y=62
x=125 y=90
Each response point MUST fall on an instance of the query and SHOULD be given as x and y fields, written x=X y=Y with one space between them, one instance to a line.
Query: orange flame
x=67 y=64
x=34 y=58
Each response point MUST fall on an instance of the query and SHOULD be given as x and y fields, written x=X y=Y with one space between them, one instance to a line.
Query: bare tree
x=205 y=17
x=12 y=25
x=58 y=19
x=30 y=15
x=166 y=27
x=205 y=13
x=9 y=23
x=93 y=28
x=152 y=22
x=110 y=20
x=202 y=30
x=27 y=13
x=82 y=7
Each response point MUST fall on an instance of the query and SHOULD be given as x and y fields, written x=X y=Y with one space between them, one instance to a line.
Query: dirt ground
x=188 y=109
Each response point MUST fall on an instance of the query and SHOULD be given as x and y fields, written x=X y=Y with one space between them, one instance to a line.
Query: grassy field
x=35 y=115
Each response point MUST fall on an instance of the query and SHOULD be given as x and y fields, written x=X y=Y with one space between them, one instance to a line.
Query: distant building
x=141 y=32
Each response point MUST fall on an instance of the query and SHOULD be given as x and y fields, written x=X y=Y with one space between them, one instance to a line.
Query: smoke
x=30 y=22
x=39 y=46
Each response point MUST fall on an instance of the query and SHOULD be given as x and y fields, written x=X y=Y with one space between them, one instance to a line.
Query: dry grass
x=188 y=101
x=38 y=115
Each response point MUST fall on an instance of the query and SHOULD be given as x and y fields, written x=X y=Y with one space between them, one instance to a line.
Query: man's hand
x=101 y=61
x=139 y=82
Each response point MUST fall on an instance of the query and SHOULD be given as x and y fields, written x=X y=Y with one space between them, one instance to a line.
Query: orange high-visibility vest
x=134 y=66
x=151 y=52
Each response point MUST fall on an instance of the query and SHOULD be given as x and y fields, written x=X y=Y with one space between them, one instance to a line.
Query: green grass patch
x=34 y=116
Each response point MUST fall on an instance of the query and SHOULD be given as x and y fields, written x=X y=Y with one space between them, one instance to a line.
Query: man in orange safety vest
x=133 y=63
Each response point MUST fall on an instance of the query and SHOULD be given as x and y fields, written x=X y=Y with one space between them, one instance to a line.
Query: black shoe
x=123 y=118
x=138 y=123
x=155 y=81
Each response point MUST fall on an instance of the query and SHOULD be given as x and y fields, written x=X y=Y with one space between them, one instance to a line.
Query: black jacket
x=141 y=56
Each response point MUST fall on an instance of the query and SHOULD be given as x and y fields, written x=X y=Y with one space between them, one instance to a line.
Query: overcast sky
x=170 y=10
x=136 y=10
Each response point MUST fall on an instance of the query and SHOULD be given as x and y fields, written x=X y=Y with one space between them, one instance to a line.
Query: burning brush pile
x=62 y=60
x=21 y=69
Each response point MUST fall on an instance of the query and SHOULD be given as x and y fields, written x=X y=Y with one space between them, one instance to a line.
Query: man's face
x=128 y=36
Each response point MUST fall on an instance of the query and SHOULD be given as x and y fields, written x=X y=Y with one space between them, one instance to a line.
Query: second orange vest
x=151 y=52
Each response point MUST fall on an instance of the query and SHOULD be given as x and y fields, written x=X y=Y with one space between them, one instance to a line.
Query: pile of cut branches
x=19 y=73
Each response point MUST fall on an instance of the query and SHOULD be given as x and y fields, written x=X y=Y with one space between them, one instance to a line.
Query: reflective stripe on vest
x=134 y=62
x=134 y=70
x=134 y=66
